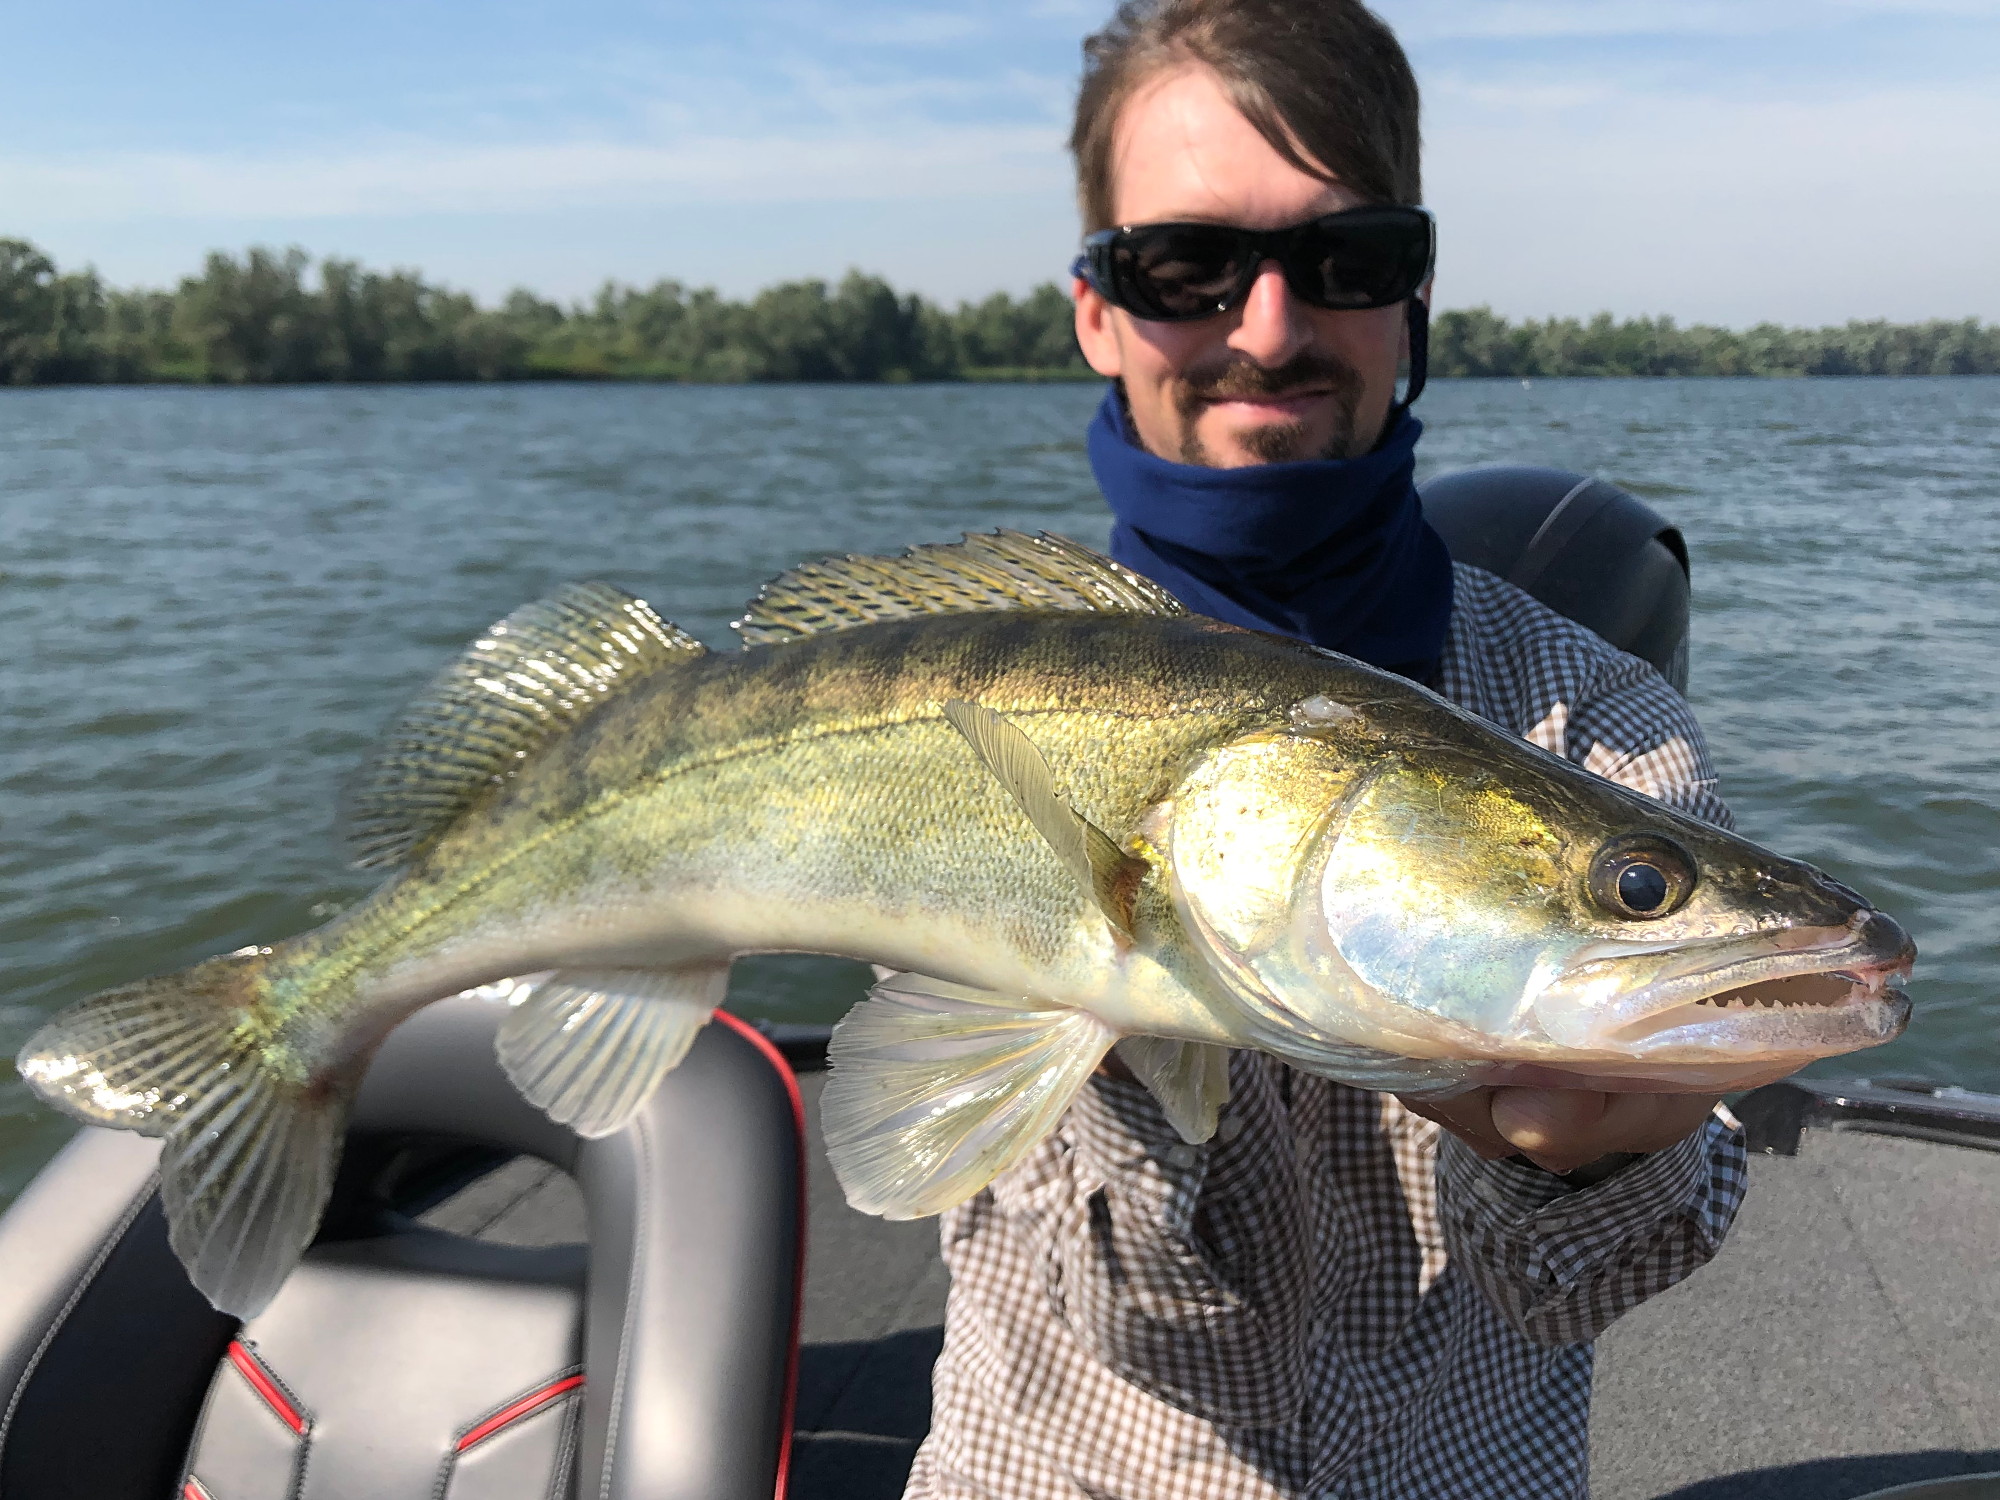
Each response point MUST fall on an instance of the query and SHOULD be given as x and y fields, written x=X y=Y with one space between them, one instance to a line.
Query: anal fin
x=935 y=1089
x=588 y=1047
x=1189 y=1079
x=1109 y=875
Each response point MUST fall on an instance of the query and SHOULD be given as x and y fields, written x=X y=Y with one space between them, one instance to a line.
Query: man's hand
x=1561 y=1130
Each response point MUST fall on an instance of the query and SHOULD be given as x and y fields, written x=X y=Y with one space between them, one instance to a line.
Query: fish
x=1064 y=814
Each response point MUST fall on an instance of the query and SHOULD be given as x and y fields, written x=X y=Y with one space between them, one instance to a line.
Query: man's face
x=1273 y=379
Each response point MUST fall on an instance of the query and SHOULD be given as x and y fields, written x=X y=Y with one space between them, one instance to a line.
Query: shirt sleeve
x=1628 y=725
x=1562 y=1265
x=1189 y=1270
x=1186 y=1271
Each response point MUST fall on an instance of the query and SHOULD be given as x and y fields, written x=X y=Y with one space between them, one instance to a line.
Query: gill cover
x=1445 y=892
x=1244 y=821
x=1364 y=910
x=1250 y=828
x=1248 y=821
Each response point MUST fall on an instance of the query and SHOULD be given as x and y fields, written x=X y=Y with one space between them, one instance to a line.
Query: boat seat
x=416 y=1363
x=1590 y=551
x=398 y=1360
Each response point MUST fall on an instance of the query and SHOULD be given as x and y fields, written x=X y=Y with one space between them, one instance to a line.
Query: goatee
x=1271 y=442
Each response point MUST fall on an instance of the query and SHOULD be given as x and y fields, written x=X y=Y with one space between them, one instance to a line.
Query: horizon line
x=611 y=284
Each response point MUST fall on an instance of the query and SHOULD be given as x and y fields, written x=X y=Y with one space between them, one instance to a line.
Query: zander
x=1069 y=814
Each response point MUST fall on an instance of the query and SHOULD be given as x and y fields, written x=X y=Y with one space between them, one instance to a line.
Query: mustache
x=1237 y=379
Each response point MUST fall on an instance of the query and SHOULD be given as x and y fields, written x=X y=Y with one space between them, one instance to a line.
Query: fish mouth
x=1805 y=993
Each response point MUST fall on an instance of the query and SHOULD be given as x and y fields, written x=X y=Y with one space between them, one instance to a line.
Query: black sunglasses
x=1349 y=261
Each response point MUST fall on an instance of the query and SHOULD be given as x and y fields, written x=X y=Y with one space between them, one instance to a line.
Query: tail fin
x=250 y=1147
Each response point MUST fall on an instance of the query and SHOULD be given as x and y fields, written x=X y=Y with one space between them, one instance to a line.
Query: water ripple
x=214 y=600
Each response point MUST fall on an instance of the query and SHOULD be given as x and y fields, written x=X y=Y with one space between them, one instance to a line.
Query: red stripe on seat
x=192 y=1490
x=533 y=1402
x=262 y=1382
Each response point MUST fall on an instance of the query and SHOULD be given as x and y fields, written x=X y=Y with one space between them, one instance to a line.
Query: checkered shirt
x=1332 y=1297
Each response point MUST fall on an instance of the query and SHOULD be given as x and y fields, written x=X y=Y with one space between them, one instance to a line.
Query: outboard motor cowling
x=1589 y=550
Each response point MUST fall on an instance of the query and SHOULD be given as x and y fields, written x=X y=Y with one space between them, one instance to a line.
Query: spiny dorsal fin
x=529 y=677
x=1107 y=874
x=997 y=571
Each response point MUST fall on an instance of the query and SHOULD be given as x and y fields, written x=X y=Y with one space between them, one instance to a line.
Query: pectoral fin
x=935 y=1089
x=590 y=1047
x=1109 y=875
x=1189 y=1079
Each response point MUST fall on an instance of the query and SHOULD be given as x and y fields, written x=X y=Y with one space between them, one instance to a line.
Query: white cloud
x=1419 y=21
x=1971 y=10
x=1515 y=97
x=916 y=101
x=428 y=178
x=1629 y=184
x=1087 y=14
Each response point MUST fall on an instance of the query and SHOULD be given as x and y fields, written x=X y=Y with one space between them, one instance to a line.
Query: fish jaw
x=1756 y=1007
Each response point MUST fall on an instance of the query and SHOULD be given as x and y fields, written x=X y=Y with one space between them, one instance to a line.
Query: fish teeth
x=1775 y=1002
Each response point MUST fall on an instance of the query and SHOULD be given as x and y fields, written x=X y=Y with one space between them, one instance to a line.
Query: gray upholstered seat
x=401 y=1360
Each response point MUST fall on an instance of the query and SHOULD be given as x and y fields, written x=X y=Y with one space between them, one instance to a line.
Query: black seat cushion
x=416 y=1366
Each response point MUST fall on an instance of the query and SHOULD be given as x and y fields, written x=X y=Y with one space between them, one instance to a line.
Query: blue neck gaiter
x=1332 y=551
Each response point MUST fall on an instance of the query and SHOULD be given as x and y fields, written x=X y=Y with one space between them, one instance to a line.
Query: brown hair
x=1324 y=81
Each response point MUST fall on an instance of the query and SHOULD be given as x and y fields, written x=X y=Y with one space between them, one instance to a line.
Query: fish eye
x=1641 y=877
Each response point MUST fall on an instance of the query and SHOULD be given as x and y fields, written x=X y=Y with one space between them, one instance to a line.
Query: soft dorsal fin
x=526 y=679
x=1108 y=875
x=996 y=571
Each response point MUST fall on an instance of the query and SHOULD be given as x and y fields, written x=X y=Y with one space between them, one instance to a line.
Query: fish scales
x=796 y=774
x=1069 y=814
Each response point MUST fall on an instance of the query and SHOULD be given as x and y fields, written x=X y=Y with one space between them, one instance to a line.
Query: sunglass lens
x=1358 y=260
x=1176 y=271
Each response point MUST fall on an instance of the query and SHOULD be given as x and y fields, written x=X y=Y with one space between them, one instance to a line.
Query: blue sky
x=1726 y=160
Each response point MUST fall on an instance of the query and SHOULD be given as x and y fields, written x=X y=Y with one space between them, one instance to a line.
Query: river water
x=213 y=599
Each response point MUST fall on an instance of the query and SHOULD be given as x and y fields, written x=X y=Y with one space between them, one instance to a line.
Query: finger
x=1468 y=1116
x=1653 y=1122
x=1561 y=1130
x=1557 y=1129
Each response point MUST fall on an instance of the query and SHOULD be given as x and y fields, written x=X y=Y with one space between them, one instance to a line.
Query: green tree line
x=273 y=317
x=1480 y=342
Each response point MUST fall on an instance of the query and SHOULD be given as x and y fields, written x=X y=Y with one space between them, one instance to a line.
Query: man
x=1334 y=1297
